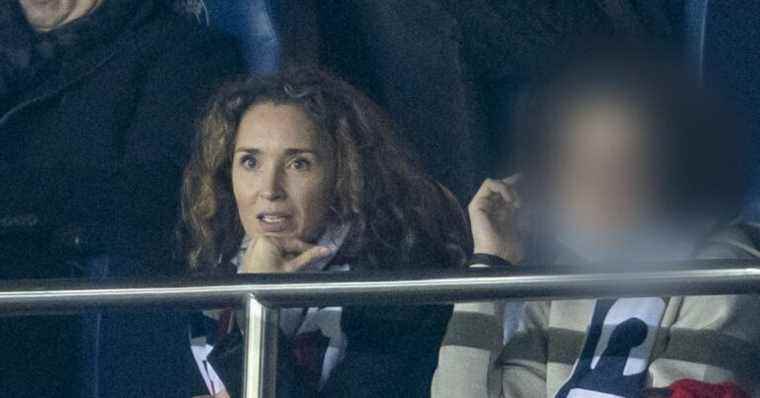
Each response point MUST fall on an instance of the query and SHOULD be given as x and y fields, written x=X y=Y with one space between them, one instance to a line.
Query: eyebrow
x=288 y=151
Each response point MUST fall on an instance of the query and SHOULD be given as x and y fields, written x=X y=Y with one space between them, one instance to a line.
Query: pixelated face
x=283 y=173
x=603 y=177
x=45 y=15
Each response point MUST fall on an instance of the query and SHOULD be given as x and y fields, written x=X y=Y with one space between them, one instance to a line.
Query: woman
x=619 y=163
x=300 y=172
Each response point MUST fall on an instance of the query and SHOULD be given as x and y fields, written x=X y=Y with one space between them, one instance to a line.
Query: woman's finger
x=292 y=246
x=315 y=253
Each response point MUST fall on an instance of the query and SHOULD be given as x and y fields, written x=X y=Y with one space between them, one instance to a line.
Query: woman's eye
x=300 y=164
x=248 y=162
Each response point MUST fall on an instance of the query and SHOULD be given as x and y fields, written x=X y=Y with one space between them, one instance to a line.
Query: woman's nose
x=271 y=188
x=272 y=194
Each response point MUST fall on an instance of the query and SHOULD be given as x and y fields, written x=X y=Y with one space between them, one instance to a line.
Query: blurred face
x=283 y=173
x=45 y=15
x=603 y=179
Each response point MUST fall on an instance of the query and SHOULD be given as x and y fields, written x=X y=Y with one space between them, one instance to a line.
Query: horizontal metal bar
x=355 y=288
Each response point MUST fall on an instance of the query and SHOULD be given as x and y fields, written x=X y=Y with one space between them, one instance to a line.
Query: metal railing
x=262 y=295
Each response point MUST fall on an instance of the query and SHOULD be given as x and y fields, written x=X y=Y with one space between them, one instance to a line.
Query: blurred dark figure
x=97 y=104
x=448 y=70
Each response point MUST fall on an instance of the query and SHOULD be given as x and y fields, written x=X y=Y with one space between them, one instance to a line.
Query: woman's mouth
x=274 y=222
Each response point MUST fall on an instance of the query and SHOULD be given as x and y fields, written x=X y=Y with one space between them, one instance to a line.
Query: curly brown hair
x=399 y=217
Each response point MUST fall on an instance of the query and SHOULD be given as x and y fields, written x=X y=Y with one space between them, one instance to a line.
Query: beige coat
x=708 y=338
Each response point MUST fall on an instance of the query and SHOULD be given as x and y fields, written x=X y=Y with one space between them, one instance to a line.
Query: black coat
x=392 y=352
x=97 y=146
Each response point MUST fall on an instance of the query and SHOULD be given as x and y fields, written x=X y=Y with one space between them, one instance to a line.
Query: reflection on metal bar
x=343 y=288
x=260 y=364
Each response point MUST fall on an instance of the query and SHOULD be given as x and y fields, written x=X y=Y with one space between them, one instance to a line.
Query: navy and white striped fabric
x=617 y=350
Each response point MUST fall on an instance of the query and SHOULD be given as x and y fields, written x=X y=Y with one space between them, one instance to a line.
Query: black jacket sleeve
x=392 y=351
x=227 y=360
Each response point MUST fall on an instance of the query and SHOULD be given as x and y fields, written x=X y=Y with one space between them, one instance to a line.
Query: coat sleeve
x=714 y=339
x=474 y=362
x=392 y=351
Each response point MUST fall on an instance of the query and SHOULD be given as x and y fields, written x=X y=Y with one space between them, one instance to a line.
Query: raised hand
x=492 y=217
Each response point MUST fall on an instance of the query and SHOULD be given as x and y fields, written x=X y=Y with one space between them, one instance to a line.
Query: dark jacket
x=392 y=352
x=96 y=145
x=93 y=148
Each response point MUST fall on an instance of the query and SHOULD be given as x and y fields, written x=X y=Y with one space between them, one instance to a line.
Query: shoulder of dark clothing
x=163 y=29
x=159 y=70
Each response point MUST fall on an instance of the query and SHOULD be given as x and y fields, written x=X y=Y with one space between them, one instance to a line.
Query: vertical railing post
x=260 y=360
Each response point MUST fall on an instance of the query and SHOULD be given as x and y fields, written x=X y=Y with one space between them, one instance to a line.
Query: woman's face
x=603 y=177
x=283 y=173
x=45 y=15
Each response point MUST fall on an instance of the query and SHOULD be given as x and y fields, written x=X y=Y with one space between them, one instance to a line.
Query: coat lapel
x=70 y=74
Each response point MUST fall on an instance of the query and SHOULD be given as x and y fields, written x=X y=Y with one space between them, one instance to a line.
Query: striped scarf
x=315 y=333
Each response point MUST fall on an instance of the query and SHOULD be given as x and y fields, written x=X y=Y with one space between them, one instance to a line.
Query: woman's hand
x=275 y=255
x=492 y=218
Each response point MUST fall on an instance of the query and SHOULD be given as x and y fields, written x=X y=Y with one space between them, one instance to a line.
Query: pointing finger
x=311 y=255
